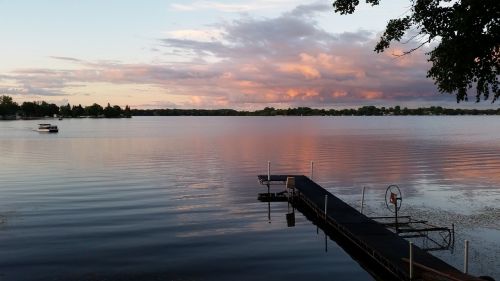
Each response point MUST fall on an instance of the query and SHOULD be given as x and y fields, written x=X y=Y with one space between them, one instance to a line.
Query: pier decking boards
x=390 y=251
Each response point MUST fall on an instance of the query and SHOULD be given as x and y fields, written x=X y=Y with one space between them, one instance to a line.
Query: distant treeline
x=306 y=111
x=10 y=110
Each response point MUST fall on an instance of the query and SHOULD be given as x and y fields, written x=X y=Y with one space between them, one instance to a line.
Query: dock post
x=466 y=257
x=326 y=204
x=362 y=199
x=312 y=170
x=268 y=171
x=411 y=260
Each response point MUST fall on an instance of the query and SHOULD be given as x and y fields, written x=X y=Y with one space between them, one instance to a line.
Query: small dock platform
x=386 y=248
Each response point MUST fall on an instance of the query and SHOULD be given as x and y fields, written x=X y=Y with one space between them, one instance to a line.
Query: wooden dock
x=388 y=250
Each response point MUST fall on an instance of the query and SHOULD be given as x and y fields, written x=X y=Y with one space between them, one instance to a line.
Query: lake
x=175 y=198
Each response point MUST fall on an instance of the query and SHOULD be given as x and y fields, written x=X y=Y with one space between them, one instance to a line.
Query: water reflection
x=172 y=194
x=328 y=233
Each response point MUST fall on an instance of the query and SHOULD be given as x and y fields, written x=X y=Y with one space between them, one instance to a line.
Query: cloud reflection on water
x=103 y=189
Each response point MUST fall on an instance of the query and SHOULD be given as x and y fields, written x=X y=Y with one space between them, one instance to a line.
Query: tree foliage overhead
x=467 y=34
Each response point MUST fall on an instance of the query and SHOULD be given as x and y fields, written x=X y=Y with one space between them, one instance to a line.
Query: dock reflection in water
x=380 y=250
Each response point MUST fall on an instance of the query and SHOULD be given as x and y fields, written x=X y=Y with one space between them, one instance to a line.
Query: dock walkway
x=384 y=246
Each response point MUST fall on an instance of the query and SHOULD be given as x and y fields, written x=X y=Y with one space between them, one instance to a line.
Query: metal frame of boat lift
x=434 y=238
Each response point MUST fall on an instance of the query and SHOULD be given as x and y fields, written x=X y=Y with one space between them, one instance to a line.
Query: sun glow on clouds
x=307 y=71
x=338 y=94
x=247 y=63
x=371 y=95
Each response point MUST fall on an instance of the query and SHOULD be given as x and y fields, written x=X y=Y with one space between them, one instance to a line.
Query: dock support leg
x=326 y=243
x=453 y=236
x=411 y=260
x=466 y=257
x=362 y=199
x=269 y=171
x=396 y=217
x=326 y=204
x=312 y=170
x=269 y=211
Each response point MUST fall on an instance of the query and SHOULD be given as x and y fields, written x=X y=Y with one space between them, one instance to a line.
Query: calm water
x=174 y=198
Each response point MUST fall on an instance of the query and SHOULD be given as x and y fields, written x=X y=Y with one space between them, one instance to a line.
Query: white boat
x=47 y=128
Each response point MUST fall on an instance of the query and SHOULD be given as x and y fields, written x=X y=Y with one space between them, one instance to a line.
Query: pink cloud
x=372 y=95
x=288 y=61
x=338 y=94
x=306 y=71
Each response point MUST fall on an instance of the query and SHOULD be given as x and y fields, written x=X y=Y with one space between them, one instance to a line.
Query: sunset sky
x=208 y=54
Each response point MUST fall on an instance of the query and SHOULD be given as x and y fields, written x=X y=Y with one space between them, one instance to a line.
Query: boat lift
x=430 y=237
x=433 y=237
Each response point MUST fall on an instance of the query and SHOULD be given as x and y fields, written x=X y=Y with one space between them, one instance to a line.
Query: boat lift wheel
x=393 y=198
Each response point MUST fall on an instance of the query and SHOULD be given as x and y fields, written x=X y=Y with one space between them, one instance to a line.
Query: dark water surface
x=174 y=198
